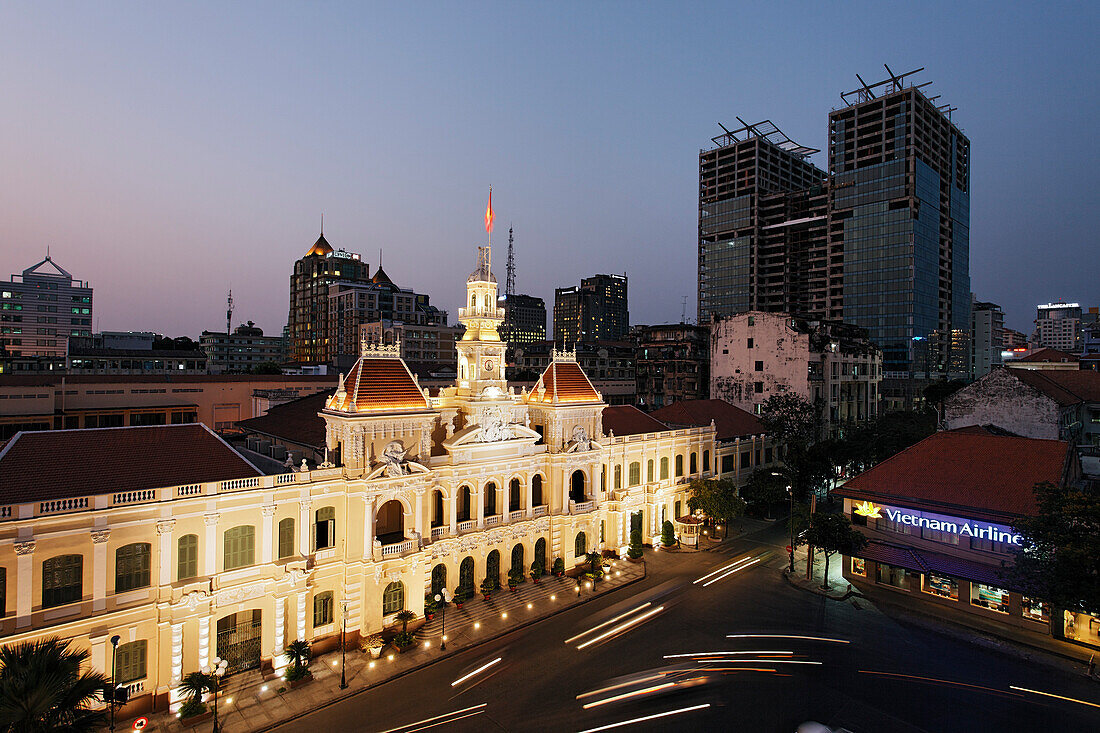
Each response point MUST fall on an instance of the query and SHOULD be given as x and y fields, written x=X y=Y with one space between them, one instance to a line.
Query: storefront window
x=890 y=575
x=941 y=585
x=935 y=535
x=1083 y=627
x=888 y=526
x=859 y=567
x=1035 y=610
x=988 y=596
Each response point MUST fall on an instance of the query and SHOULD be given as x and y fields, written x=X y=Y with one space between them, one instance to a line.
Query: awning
x=923 y=561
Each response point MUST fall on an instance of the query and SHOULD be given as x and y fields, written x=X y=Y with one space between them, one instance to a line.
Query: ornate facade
x=418 y=492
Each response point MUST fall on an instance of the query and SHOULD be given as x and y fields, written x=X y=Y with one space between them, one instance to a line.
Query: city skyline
x=200 y=156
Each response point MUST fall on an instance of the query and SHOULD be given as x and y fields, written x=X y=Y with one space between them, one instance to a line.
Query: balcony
x=398 y=549
x=481 y=312
x=517 y=515
x=583 y=507
x=492 y=520
x=540 y=511
x=466 y=526
x=438 y=532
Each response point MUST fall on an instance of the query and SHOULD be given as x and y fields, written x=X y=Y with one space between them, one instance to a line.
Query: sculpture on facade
x=393 y=464
x=493 y=428
x=581 y=443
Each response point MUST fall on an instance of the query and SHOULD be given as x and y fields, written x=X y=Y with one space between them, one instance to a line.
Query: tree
x=193 y=686
x=405 y=616
x=716 y=498
x=268 y=367
x=887 y=435
x=634 y=551
x=791 y=420
x=1059 y=546
x=297 y=653
x=937 y=393
x=763 y=490
x=43 y=689
x=668 y=534
x=833 y=533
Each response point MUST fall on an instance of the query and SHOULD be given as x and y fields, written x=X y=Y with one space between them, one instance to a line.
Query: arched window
x=464 y=504
x=513 y=495
x=664 y=468
x=393 y=598
x=324 y=528
x=466 y=575
x=635 y=473
x=62 y=580
x=649 y=470
x=618 y=476
x=706 y=460
x=490 y=499
x=679 y=466
x=581 y=545
x=132 y=566
x=473 y=300
x=437 y=508
x=239 y=547
x=187 y=557
x=488 y=302
x=286 y=538
x=322 y=609
x=540 y=553
x=517 y=557
x=536 y=490
x=439 y=579
x=694 y=463
x=492 y=568
x=130 y=662
x=576 y=486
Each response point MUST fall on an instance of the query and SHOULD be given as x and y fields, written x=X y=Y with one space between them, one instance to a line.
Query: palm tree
x=298 y=654
x=405 y=617
x=43 y=689
x=193 y=686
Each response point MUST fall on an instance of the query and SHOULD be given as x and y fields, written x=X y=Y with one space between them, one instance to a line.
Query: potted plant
x=460 y=596
x=515 y=577
x=193 y=687
x=487 y=587
x=430 y=607
x=635 y=550
x=537 y=571
x=374 y=644
x=668 y=534
x=559 y=567
x=405 y=639
x=298 y=654
x=595 y=566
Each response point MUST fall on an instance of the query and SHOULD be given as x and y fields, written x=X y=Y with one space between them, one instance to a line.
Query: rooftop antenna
x=229 y=313
x=684 y=310
x=379 y=258
x=322 y=225
x=510 y=283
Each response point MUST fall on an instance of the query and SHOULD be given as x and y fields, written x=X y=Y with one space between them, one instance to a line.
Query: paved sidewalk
x=249 y=703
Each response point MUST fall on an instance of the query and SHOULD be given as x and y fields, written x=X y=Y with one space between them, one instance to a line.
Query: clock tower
x=481 y=352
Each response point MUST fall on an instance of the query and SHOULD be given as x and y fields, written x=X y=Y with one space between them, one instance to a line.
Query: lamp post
x=790 y=493
x=443 y=598
x=114 y=655
x=217 y=672
x=343 y=645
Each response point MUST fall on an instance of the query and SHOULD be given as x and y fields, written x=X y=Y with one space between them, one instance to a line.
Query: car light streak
x=621 y=627
x=621 y=616
x=1051 y=694
x=749 y=661
x=726 y=567
x=628 y=695
x=731 y=572
x=721 y=654
x=736 y=669
x=620 y=685
x=934 y=681
x=786 y=636
x=482 y=668
x=439 y=719
x=647 y=717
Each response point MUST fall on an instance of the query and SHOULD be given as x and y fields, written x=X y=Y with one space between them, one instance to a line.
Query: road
x=889 y=677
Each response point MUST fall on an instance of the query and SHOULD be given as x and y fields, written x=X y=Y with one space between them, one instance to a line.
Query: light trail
x=482 y=668
x=608 y=623
x=748 y=661
x=647 y=717
x=628 y=695
x=786 y=636
x=621 y=627
x=737 y=669
x=731 y=572
x=934 y=681
x=609 y=688
x=428 y=723
x=722 y=654
x=727 y=567
x=1051 y=694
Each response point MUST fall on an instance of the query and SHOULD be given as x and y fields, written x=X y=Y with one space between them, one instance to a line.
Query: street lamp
x=443 y=598
x=790 y=547
x=343 y=645
x=217 y=671
x=114 y=655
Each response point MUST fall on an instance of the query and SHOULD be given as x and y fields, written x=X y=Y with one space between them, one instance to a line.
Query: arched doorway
x=514 y=495
x=389 y=525
x=517 y=557
x=437 y=508
x=490 y=499
x=239 y=640
x=466 y=575
x=492 y=568
x=540 y=553
x=439 y=578
x=576 y=486
x=580 y=545
x=536 y=490
x=464 y=504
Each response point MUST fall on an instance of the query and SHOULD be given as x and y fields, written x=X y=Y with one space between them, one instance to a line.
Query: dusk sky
x=167 y=152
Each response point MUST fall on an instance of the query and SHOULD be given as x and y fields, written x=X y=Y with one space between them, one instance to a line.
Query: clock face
x=489 y=365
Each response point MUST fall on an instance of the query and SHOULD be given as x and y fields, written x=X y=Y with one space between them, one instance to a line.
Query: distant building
x=136 y=340
x=136 y=362
x=1058 y=326
x=756 y=355
x=610 y=367
x=308 y=321
x=1015 y=339
x=596 y=310
x=671 y=363
x=241 y=351
x=429 y=344
x=1090 y=331
x=524 y=319
x=41 y=309
x=1043 y=359
x=987 y=326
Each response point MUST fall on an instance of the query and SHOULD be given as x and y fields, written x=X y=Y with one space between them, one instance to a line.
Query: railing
x=438 y=532
x=189 y=490
x=481 y=312
x=5 y=512
x=134 y=497
x=466 y=526
x=584 y=506
x=135 y=688
x=399 y=548
x=285 y=478
x=239 y=483
x=540 y=510
x=517 y=515
x=492 y=520
x=57 y=506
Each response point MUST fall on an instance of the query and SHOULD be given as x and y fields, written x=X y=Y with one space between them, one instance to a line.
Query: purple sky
x=166 y=152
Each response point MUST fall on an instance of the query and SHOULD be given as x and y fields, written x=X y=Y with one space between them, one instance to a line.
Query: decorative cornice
x=100 y=536
x=165 y=526
x=268 y=510
x=210 y=520
x=24 y=548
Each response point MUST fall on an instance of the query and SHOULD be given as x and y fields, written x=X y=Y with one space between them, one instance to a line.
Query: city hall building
x=170 y=539
x=938 y=518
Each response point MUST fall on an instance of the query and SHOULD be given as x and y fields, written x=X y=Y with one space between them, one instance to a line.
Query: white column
x=528 y=498
x=481 y=507
x=210 y=558
x=164 y=531
x=280 y=632
x=564 y=492
x=501 y=504
x=304 y=528
x=24 y=552
x=302 y=615
x=368 y=528
x=418 y=516
x=99 y=568
x=177 y=657
x=452 y=513
x=98 y=658
x=204 y=642
x=267 y=533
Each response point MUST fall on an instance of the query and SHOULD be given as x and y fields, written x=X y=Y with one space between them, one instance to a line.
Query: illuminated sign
x=941 y=523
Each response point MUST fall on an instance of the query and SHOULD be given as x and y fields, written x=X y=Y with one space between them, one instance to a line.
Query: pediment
x=491 y=436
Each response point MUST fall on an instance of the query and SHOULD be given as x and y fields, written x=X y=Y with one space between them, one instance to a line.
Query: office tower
x=594 y=311
x=524 y=319
x=308 y=321
x=987 y=337
x=41 y=309
x=1058 y=326
x=762 y=222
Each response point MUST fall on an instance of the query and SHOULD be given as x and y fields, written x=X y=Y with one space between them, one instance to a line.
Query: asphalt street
x=860 y=669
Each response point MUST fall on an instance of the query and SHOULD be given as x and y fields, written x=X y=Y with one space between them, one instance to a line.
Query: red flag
x=489 y=213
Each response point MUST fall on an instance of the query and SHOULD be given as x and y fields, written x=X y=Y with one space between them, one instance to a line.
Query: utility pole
x=510 y=282
x=229 y=313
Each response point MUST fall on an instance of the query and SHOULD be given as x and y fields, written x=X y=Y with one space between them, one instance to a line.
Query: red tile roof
x=57 y=464
x=980 y=476
x=1064 y=387
x=629 y=420
x=379 y=385
x=296 y=421
x=729 y=421
x=566 y=380
x=1048 y=355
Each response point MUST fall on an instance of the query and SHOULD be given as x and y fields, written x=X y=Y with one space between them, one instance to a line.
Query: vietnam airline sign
x=939 y=522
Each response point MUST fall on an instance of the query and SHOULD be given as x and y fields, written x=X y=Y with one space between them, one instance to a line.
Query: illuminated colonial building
x=168 y=538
